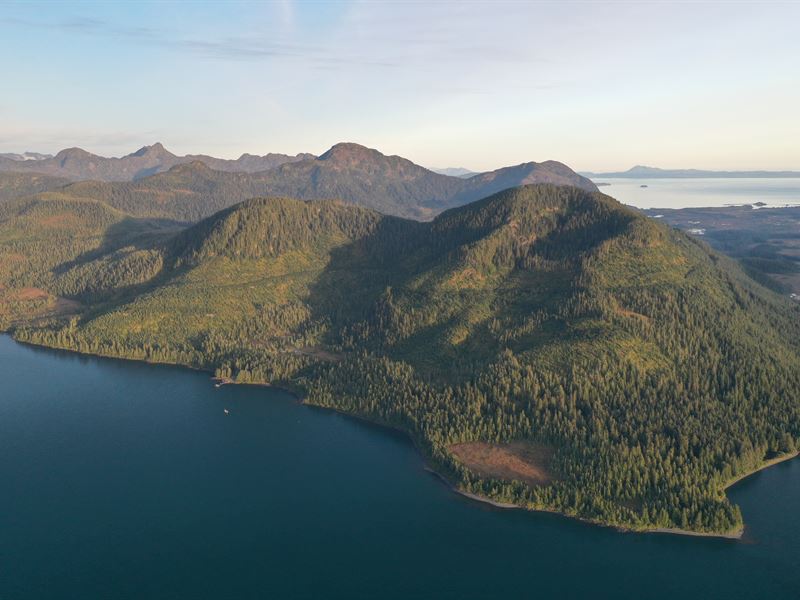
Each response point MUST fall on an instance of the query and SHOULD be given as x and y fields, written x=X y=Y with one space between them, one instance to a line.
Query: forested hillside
x=766 y=241
x=545 y=346
x=57 y=252
x=17 y=185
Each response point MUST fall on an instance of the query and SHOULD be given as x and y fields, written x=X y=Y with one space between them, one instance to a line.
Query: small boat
x=226 y=411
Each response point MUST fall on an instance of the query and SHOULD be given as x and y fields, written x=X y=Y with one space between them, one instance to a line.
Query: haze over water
x=128 y=480
x=702 y=192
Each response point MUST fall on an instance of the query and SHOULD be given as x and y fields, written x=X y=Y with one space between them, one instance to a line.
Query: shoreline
x=732 y=535
x=766 y=465
x=216 y=381
x=735 y=535
x=302 y=399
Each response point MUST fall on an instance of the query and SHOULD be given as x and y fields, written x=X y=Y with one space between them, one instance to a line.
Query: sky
x=597 y=85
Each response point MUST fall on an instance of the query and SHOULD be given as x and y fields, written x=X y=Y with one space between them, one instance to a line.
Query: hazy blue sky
x=598 y=85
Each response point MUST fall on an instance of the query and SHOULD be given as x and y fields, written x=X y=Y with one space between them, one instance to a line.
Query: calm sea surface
x=126 y=480
x=694 y=193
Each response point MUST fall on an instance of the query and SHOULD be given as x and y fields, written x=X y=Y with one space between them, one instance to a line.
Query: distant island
x=642 y=172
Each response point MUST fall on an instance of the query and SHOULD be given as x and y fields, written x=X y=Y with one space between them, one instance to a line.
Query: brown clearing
x=37 y=310
x=522 y=461
x=31 y=293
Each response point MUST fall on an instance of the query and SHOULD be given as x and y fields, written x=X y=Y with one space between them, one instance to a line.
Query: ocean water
x=695 y=193
x=127 y=480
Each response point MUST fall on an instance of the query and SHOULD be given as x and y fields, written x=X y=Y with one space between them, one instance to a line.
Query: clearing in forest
x=521 y=461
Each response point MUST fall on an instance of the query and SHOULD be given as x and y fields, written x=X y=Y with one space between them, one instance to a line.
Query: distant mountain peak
x=73 y=153
x=155 y=150
x=349 y=151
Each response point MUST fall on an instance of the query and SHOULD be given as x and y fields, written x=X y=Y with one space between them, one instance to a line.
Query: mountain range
x=390 y=184
x=642 y=172
x=77 y=164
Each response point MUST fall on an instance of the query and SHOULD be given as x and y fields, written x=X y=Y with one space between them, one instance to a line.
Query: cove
x=128 y=480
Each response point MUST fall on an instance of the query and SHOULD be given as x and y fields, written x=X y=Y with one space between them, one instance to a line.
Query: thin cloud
x=238 y=49
x=436 y=41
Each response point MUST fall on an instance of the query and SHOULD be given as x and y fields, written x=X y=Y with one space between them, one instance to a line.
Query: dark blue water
x=125 y=480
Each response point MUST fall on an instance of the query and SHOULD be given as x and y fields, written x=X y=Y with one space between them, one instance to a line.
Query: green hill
x=54 y=245
x=545 y=346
